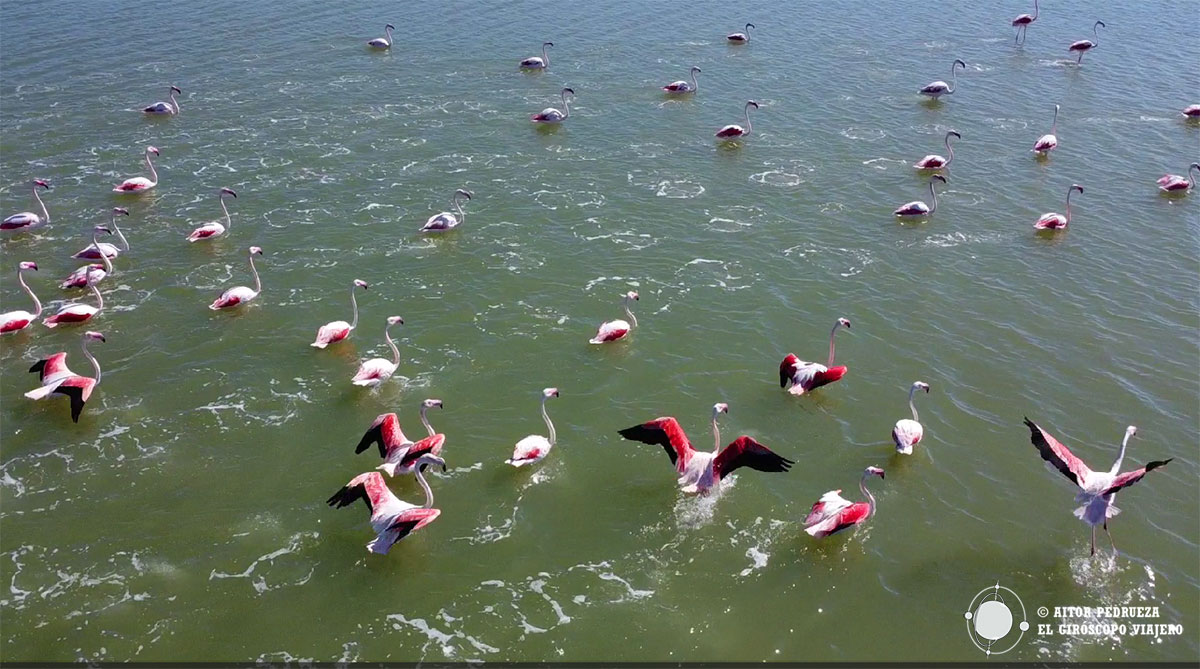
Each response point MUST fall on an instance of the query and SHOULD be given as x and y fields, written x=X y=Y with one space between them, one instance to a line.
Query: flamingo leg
x=1093 y=540
x=1080 y=58
x=1110 y=539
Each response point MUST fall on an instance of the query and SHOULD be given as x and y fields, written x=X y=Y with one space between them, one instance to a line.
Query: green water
x=184 y=516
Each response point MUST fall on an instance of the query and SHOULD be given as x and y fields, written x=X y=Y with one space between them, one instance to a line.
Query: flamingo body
x=392 y=519
x=383 y=42
x=740 y=37
x=371 y=373
x=140 y=184
x=731 y=130
x=1054 y=220
x=611 y=331
x=833 y=513
x=1191 y=111
x=27 y=220
x=57 y=379
x=83 y=276
x=232 y=297
x=1173 y=183
x=907 y=434
x=331 y=333
x=71 y=315
x=536 y=63
x=535 y=447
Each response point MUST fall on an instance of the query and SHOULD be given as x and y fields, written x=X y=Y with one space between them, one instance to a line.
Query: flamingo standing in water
x=806 y=376
x=27 y=220
x=165 y=108
x=391 y=518
x=447 y=220
x=1022 y=24
x=1054 y=220
x=741 y=38
x=76 y=312
x=58 y=380
x=614 y=330
x=936 y=162
x=375 y=371
x=700 y=471
x=400 y=454
x=335 y=331
x=908 y=433
x=232 y=297
x=214 y=229
x=91 y=273
x=1085 y=45
x=1097 y=490
x=140 y=184
x=682 y=86
x=15 y=321
x=536 y=63
x=552 y=115
x=383 y=42
x=733 y=130
x=98 y=250
x=919 y=208
x=535 y=447
x=1047 y=143
x=939 y=88
x=1191 y=111
x=833 y=513
x=1173 y=183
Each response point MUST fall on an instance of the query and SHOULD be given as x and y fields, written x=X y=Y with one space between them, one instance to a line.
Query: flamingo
x=936 y=162
x=536 y=63
x=391 y=518
x=15 y=321
x=335 y=331
x=58 y=380
x=1097 y=490
x=535 y=447
x=165 y=108
x=552 y=115
x=939 y=88
x=399 y=453
x=27 y=220
x=833 y=513
x=1085 y=45
x=1191 y=111
x=447 y=220
x=214 y=229
x=140 y=184
x=741 y=38
x=1173 y=183
x=1054 y=220
x=617 y=329
x=919 y=208
x=700 y=471
x=682 y=86
x=908 y=433
x=734 y=130
x=99 y=250
x=76 y=312
x=375 y=371
x=383 y=42
x=90 y=273
x=240 y=294
x=807 y=376
x=1047 y=143
x=1022 y=24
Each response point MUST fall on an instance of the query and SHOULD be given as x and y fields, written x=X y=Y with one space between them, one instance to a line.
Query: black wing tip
x=1157 y=463
x=338 y=500
x=38 y=367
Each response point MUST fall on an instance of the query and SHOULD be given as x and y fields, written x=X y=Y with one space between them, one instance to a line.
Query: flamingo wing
x=412 y=520
x=427 y=445
x=665 y=432
x=829 y=504
x=746 y=452
x=53 y=366
x=384 y=432
x=1059 y=456
x=1129 y=478
x=79 y=389
x=369 y=487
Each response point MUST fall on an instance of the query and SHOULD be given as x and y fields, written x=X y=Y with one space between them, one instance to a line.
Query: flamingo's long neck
x=632 y=318
x=545 y=56
x=1120 y=455
x=387 y=334
x=425 y=420
x=549 y=425
x=747 y=113
x=566 y=106
x=89 y=356
x=1069 y=191
x=1191 y=176
x=831 y=334
x=1054 y=125
x=912 y=391
x=695 y=86
x=36 y=196
x=117 y=229
x=1035 y=10
x=1096 y=34
x=99 y=297
x=254 y=271
x=950 y=150
x=461 y=216
x=174 y=102
x=354 y=306
x=153 y=172
x=388 y=31
x=228 y=221
x=862 y=485
x=108 y=267
x=932 y=196
x=748 y=32
x=716 y=432
x=953 y=78
x=424 y=486
x=37 y=304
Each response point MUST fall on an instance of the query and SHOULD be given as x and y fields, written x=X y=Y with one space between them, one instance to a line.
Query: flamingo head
x=632 y=295
x=255 y=251
x=463 y=192
x=958 y=62
x=151 y=149
x=91 y=335
x=752 y=103
x=175 y=89
x=1099 y=24
x=389 y=26
x=843 y=322
x=1077 y=187
x=547 y=43
x=120 y=210
x=228 y=191
x=431 y=404
x=568 y=89
x=28 y=264
x=955 y=133
x=1130 y=431
x=720 y=408
x=431 y=459
x=787 y=369
x=696 y=69
x=750 y=25
x=873 y=471
x=395 y=320
x=937 y=177
x=921 y=385
x=361 y=284
x=549 y=392
x=41 y=182
x=102 y=228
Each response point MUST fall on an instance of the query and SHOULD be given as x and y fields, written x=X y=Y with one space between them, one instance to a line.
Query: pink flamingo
x=140 y=184
x=76 y=312
x=58 y=380
x=535 y=447
x=232 y=297
x=400 y=454
x=214 y=229
x=27 y=220
x=1054 y=220
x=391 y=518
x=1022 y=24
x=1191 y=111
x=741 y=38
x=682 y=86
x=165 y=108
x=833 y=513
x=919 y=208
x=936 y=162
x=384 y=42
x=908 y=433
x=1173 y=183
x=617 y=329
x=1048 y=142
x=1085 y=45
x=447 y=220
x=552 y=115
x=335 y=331
x=536 y=63
x=103 y=249
x=939 y=88
x=15 y=321
x=1097 y=490
x=90 y=273
x=734 y=130
x=700 y=471
x=807 y=376
x=375 y=371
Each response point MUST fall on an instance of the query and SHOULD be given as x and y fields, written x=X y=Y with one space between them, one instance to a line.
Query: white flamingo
x=908 y=433
x=335 y=331
x=140 y=184
x=939 y=88
x=447 y=220
x=15 y=321
x=936 y=162
x=919 y=208
x=391 y=518
x=535 y=447
x=1174 y=183
x=1048 y=142
x=552 y=115
x=734 y=130
x=96 y=250
x=58 y=380
x=833 y=513
x=76 y=312
x=383 y=42
x=232 y=297
x=91 y=273
x=1085 y=45
x=740 y=38
x=536 y=63
x=682 y=86
x=28 y=220
x=165 y=108
x=375 y=371
x=214 y=229
x=1022 y=24
x=1055 y=221
x=399 y=453
x=617 y=329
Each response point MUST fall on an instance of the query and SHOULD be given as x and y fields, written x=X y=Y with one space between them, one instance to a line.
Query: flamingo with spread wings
x=391 y=518
x=400 y=454
x=834 y=513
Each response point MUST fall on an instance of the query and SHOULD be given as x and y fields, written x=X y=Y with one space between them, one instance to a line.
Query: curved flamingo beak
x=42 y=183
x=176 y=90
x=228 y=191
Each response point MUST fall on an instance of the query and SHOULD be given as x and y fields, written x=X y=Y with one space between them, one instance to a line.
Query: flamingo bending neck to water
x=833 y=513
x=58 y=380
x=919 y=208
x=939 y=88
x=682 y=86
x=335 y=331
x=535 y=447
x=140 y=184
x=1085 y=45
x=91 y=273
x=76 y=312
x=447 y=220
x=1022 y=24
x=742 y=37
x=399 y=453
x=165 y=108
x=552 y=115
x=391 y=518
x=908 y=433
x=15 y=321
x=375 y=371
x=384 y=42
x=805 y=376
x=27 y=220
x=232 y=297
x=936 y=162
x=98 y=250
x=1054 y=220
x=700 y=471
x=1048 y=142
x=536 y=63
x=614 y=330
x=214 y=229
x=1173 y=183
x=734 y=130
